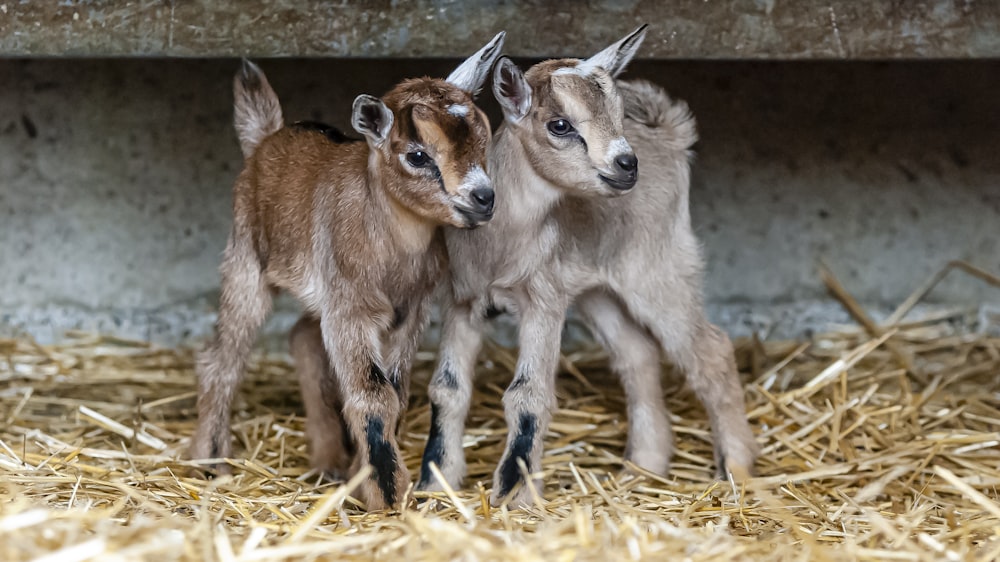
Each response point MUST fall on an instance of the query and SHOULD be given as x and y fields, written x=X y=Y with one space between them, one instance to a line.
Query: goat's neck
x=524 y=198
x=408 y=231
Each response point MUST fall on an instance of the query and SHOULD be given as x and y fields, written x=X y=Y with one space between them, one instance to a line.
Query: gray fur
x=631 y=263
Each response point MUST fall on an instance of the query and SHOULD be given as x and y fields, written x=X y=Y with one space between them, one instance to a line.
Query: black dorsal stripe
x=329 y=131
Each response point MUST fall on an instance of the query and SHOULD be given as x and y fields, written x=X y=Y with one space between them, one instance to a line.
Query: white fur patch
x=474 y=179
x=313 y=290
x=616 y=148
x=458 y=110
x=576 y=110
x=600 y=60
x=571 y=71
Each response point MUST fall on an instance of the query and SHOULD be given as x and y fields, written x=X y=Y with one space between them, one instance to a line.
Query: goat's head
x=568 y=114
x=432 y=138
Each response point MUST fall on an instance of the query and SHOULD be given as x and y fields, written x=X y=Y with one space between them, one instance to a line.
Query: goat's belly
x=580 y=276
x=308 y=287
x=503 y=300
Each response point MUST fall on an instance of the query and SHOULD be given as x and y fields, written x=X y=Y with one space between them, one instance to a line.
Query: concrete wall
x=679 y=29
x=115 y=182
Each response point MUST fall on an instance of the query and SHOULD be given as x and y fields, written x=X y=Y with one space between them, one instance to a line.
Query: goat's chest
x=413 y=277
x=522 y=257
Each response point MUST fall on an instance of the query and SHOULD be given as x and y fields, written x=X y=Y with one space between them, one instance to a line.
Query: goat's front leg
x=330 y=448
x=451 y=395
x=371 y=404
x=403 y=342
x=529 y=400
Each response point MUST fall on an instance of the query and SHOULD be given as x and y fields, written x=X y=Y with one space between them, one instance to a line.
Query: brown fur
x=353 y=232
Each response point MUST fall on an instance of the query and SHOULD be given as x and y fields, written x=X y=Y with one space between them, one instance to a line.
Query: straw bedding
x=877 y=444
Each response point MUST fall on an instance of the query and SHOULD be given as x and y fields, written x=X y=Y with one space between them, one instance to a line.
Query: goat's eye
x=560 y=127
x=419 y=159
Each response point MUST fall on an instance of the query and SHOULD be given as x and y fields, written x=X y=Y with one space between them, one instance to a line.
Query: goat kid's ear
x=616 y=57
x=511 y=90
x=471 y=74
x=371 y=118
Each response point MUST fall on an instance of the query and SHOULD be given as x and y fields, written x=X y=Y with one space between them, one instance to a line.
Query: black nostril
x=483 y=196
x=627 y=162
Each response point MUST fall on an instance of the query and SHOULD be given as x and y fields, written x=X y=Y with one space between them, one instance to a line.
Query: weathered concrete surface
x=758 y=29
x=115 y=181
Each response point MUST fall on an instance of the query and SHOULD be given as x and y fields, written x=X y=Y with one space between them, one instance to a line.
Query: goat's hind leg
x=711 y=371
x=243 y=306
x=330 y=448
x=705 y=355
x=635 y=358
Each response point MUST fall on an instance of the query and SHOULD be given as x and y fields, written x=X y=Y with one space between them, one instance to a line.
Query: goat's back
x=295 y=181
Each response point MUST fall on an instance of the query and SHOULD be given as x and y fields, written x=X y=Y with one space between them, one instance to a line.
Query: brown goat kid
x=576 y=223
x=353 y=231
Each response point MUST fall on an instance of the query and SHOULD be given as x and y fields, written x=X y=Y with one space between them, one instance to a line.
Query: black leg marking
x=446 y=378
x=382 y=458
x=521 y=447
x=434 y=453
x=520 y=379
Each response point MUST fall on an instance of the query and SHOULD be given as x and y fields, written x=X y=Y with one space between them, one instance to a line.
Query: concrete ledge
x=680 y=29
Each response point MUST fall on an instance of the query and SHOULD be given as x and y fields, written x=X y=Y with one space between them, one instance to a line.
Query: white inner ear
x=360 y=121
x=518 y=101
x=387 y=120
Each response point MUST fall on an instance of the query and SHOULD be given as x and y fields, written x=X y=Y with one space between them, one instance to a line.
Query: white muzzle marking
x=616 y=148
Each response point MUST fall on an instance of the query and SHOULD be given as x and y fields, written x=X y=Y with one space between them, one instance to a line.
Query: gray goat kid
x=563 y=233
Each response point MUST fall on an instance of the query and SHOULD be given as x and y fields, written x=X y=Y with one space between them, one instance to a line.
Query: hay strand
x=861 y=463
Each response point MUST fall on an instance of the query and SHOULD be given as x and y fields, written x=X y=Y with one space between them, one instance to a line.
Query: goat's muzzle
x=626 y=172
x=479 y=208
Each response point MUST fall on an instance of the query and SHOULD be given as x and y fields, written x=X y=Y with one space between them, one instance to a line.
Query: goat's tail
x=256 y=111
x=649 y=104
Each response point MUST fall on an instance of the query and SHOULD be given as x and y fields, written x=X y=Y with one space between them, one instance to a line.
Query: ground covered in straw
x=877 y=445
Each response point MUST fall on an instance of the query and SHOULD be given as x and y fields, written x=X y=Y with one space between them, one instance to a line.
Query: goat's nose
x=627 y=163
x=483 y=197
